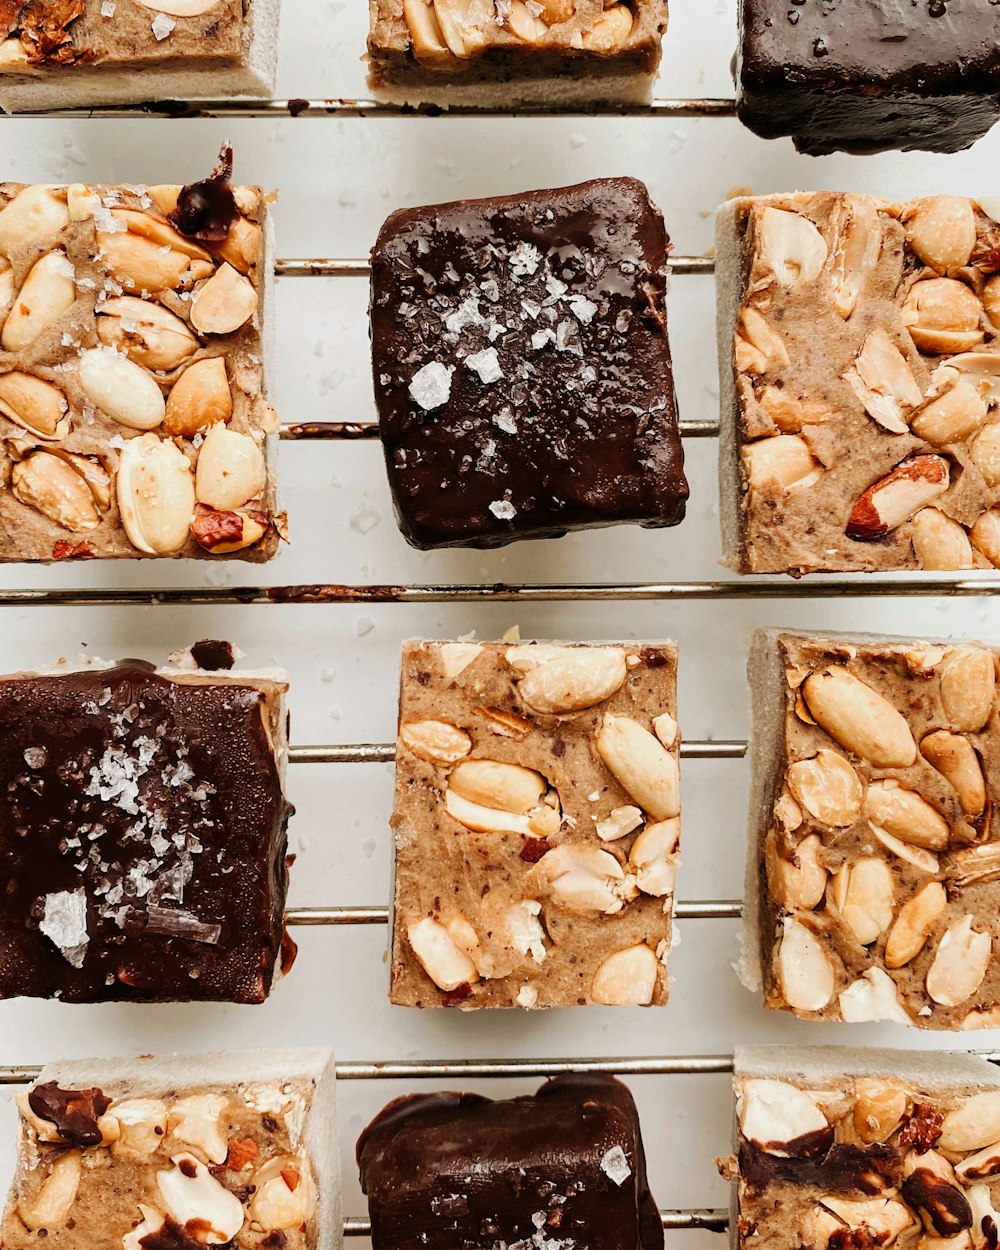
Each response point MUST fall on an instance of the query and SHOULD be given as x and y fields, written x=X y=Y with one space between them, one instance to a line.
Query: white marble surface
x=338 y=180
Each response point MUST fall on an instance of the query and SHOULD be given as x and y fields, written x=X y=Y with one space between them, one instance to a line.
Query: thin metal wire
x=360 y=267
x=334 y=107
x=385 y=752
x=711 y=1221
x=313 y=431
x=712 y=909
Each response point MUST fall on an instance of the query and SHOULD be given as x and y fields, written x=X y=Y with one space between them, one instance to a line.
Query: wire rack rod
x=712 y=909
x=360 y=267
x=710 y=1221
x=385 y=752
x=339 y=107
x=350 y=431
x=875 y=587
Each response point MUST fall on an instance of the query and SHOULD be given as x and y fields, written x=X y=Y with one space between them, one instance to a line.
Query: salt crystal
x=431 y=385
x=107 y=223
x=108 y=8
x=615 y=1165
x=505 y=421
x=64 y=923
x=540 y=338
x=162 y=27
x=487 y=364
x=534 y=8
x=35 y=757
x=503 y=509
x=467 y=314
x=583 y=309
x=524 y=260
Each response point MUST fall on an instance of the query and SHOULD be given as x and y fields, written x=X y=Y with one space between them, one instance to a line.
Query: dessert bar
x=57 y=54
x=178 y=1153
x=869 y=75
x=840 y=1148
x=537 y=824
x=132 y=413
x=522 y=366
x=873 y=857
x=506 y=53
x=562 y=1168
x=859 y=364
x=142 y=832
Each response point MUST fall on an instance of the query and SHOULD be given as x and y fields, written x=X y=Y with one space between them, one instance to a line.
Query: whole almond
x=121 y=388
x=580 y=678
x=199 y=398
x=503 y=787
x=162 y=233
x=968 y=685
x=641 y=765
x=893 y=499
x=47 y=293
x=868 y=899
x=973 y=1124
x=141 y=265
x=914 y=924
x=906 y=815
x=859 y=718
x=956 y=759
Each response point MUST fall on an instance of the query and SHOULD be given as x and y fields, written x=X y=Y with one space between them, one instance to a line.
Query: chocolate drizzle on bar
x=74 y=1112
x=170 y=1237
x=206 y=210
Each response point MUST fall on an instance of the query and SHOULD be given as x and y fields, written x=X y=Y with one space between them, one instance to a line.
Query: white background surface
x=338 y=180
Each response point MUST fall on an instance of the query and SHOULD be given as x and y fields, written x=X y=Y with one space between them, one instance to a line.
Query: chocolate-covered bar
x=133 y=415
x=564 y=1167
x=873 y=858
x=859 y=358
x=177 y=1153
x=473 y=52
x=522 y=366
x=142 y=833
x=837 y=1147
x=869 y=75
x=66 y=53
x=537 y=824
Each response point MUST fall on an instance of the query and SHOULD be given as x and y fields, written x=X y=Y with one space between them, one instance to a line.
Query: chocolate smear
x=74 y=1112
x=207 y=210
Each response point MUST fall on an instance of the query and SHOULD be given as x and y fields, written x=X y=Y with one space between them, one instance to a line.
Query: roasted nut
x=527 y=934
x=641 y=765
x=190 y=1192
x=525 y=23
x=222 y=532
x=198 y=399
x=34 y=404
x=968 y=681
x=6 y=283
x=985 y=1219
x=463 y=23
x=285 y=1194
x=942 y=231
x=870 y=998
x=979 y=1166
x=426 y=36
x=782 y=1119
x=859 y=718
x=925 y=861
x=13 y=55
x=985 y=453
x=653 y=858
x=893 y=499
x=35 y=213
x=882 y=380
x=141 y=264
x=619 y=822
x=975 y=1123
x=876 y=1220
x=943 y=317
x=148 y=333
x=48 y=292
x=981 y=369
x=878 y=1109
x=955 y=758
x=790 y=413
x=790 y=245
x=152 y=1222
x=197 y=1121
x=435 y=741
x=583 y=879
x=446 y=965
x=906 y=815
x=181 y=8
x=52 y=1203
x=857 y=244
x=797 y=883
x=505 y=723
x=960 y=963
x=914 y=924
x=782 y=462
x=951 y=417
x=828 y=788
x=231 y=469
x=243 y=246
x=575 y=679
x=985 y=536
x=975 y=865
x=939 y=543
x=805 y=974
x=758 y=348
x=932 y=1192
x=611 y=29
x=121 y=388
x=864 y=894
x=991 y=301
x=665 y=728
x=226 y=302
x=627 y=978
x=155 y=495
x=502 y=787
x=143 y=1124
x=54 y=487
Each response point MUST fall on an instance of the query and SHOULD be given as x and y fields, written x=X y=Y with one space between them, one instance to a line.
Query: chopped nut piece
x=939 y=543
x=943 y=317
x=805 y=971
x=883 y=382
x=827 y=787
x=791 y=245
x=435 y=741
x=942 y=231
x=783 y=462
x=960 y=963
x=626 y=978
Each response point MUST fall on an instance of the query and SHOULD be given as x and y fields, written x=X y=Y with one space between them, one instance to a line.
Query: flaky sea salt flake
x=615 y=1164
x=487 y=364
x=162 y=27
x=64 y=923
x=431 y=385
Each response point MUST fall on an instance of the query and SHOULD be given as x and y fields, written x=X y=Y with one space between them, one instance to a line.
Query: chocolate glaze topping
x=869 y=75
x=74 y=1112
x=213 y=655
x=207 y=210
x=170 y=1237
x=142 y=838
x=522 y=367
x=459 y=1172
x=843 y=1169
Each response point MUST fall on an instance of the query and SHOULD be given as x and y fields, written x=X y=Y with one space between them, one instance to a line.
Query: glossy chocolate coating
x=168 y=796
x=869 y=75
x=459 y=1172
x=568 y=287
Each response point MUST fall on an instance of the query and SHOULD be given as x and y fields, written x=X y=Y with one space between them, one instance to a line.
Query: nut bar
x=859 y=350
x=57 y=54
x=537 y=824
x=522 y=366
x=867 y=76
x=838 y=1148
x=873 y=860
x=132 y=414
x=558 y=1169
x=506 y=53
x=178 y=1153
x=142 y=832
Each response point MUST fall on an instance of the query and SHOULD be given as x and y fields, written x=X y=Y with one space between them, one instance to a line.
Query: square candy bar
x=873 y=865
x=869 y=75
x=142 y=833
x=479 y=53
x=563 y=1168
x=522 y=367
x=537 y=824
x=133 y=419
x=859 y=357
x=66 y=53
x=178 y=1153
